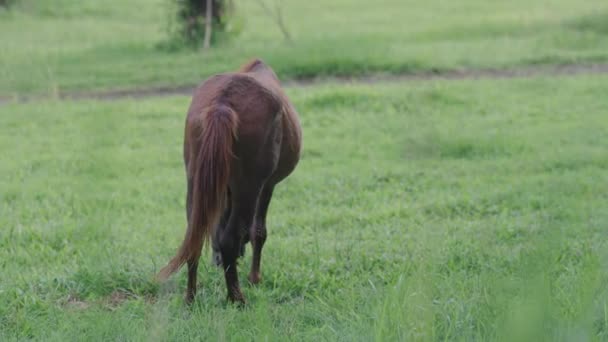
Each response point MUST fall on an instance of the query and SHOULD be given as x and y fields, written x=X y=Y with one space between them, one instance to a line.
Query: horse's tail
x=210 y=171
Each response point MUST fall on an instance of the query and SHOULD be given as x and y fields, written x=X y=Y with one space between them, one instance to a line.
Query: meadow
x=422 y=210
x=448 y=210
x=54 y=46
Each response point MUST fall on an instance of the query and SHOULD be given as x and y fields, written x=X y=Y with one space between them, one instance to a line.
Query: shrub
x=6 y=3
x=188 y=20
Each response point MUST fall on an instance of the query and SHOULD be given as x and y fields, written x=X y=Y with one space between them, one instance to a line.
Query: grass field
x=461 y=210
x=52 y=46
x=425 y=210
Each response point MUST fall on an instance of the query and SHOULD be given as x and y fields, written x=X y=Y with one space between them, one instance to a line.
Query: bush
x=6 y=3
x=188 y=21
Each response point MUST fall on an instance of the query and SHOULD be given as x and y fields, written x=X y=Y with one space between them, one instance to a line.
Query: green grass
x=49 y=46
x=430 y=211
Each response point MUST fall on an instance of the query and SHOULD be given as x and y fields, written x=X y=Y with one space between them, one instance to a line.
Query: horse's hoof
x=238 y=299
x=254 y=278
x=241 y=303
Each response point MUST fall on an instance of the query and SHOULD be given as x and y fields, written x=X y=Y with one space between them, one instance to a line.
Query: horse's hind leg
x=258 y=233
x=192 y=263
x=217 y=256
x=244 y=203
x=192 y=270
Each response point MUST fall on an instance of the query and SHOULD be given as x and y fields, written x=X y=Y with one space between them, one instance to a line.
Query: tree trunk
x=208 y=24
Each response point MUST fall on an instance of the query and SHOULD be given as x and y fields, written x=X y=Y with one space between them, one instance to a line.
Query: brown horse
x=242 y=137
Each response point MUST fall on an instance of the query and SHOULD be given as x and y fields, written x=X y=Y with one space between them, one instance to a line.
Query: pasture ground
x=437 y=210
x=426 y=210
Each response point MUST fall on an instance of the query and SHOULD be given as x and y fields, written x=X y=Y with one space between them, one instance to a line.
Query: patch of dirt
x=117 y=297
x=76 y=303
x=111 y=302
x=460 y=74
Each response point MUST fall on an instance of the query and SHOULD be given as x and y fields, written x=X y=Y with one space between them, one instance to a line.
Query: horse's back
x=268 y=131
x=244 y=93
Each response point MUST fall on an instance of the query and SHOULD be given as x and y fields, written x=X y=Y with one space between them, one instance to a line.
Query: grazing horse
x=242 y=137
